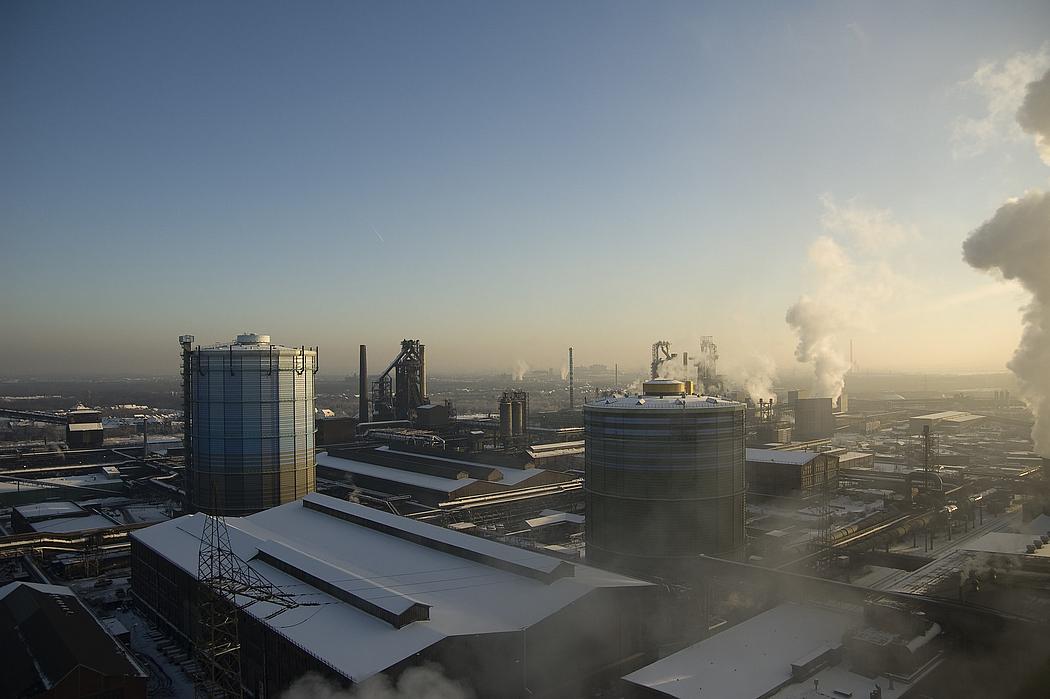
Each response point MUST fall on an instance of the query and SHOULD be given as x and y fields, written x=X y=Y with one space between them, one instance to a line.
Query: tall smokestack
x=362 y=388
x=572 y=398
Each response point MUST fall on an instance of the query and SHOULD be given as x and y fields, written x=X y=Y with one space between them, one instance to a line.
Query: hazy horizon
x=504 y=182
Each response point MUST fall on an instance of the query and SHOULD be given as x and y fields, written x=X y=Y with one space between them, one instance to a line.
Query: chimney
x=362 y=388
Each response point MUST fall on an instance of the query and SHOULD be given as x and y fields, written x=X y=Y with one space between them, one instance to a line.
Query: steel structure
x=396 y=397
x=707 y=366
x=227 y=585
x=572 y=397
x=661 y=353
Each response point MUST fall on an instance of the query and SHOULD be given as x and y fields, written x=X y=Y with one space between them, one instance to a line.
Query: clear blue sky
x=501 y=180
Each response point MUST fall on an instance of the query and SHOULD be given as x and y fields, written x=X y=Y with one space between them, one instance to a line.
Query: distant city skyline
x=505 y=181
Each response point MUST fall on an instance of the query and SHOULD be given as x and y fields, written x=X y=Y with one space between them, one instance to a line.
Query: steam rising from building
x=757 y=377
x=1034 y=115
x=521 y=367
x=852 y=274
x=1015 y=242
x=424 y=682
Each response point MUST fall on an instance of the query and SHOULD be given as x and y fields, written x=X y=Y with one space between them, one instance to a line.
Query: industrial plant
x=589 y=546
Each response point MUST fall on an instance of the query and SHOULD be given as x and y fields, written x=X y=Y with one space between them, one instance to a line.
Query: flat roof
x=469 y=585
x=752 y=659
x=46 y=510
x=778 y=456
x=65 y=525
x=1004 y=542
x=84 y=426
x=509 y=477
x=395 y=475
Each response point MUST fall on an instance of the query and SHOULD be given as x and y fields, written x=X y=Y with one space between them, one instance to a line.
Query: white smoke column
x=520 y=369
x=1034 y=115
x=758 y=376
x=1015 y=242
x=564 y=372
x=817 y=326
x=850 y=284
x=426 y=681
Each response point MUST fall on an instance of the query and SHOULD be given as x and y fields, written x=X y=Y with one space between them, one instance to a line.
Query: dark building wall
x=336 y=430
x=86 y=683
x=84 y=439
x=801 y=480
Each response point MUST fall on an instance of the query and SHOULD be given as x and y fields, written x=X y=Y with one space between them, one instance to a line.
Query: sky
x=504 y=180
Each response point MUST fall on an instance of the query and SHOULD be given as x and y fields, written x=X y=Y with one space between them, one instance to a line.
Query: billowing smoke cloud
x=1034 y=115
x=1015 y=242
x=520 y=369
x=757 y=377
x=853 y=274
x=1002 y=88
x=818 y=325
x=426 y=681
x=564 y=372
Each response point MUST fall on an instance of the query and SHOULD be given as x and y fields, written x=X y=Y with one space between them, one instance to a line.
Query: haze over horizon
x=505 y=182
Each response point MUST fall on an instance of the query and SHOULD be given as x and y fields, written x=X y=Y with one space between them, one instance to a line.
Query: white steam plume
x=1015 y=242
x=1034 y=115
x=1001 y=87
x=520 y=369
x=757 y=376
x=426 y=681
x=853 y=275
x=564 y=372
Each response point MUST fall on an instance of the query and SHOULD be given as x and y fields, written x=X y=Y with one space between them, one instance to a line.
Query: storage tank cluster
x=664 y=480
x=513 y=415
x=249 y=407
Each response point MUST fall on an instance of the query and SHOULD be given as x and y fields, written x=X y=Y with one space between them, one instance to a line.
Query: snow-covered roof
x=397 y=475
x=554 y=518
x=1005 y=542
x=508 y=476
x=671 y=402
x=467 y=585
x=751 y=659
x=64 y=525
x=776 y=456
x=45 y=510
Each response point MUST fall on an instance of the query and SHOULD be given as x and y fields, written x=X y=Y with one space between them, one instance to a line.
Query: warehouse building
x=391 y=593
x=772 y=472
x=428 y=479
x=945 y=421
x=53 y=646
x=56 y=517
x=795 y=651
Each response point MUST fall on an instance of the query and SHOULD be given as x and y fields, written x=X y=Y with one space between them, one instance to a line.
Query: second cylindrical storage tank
x=664 y=480
x=506 y=427
x=517 y=419
x=251 y=425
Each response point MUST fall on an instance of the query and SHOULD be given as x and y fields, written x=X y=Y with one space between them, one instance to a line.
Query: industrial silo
x=664 y=480
x=250 y=424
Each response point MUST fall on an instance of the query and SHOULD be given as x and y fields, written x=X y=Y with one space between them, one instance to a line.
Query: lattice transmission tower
x=227 y=585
